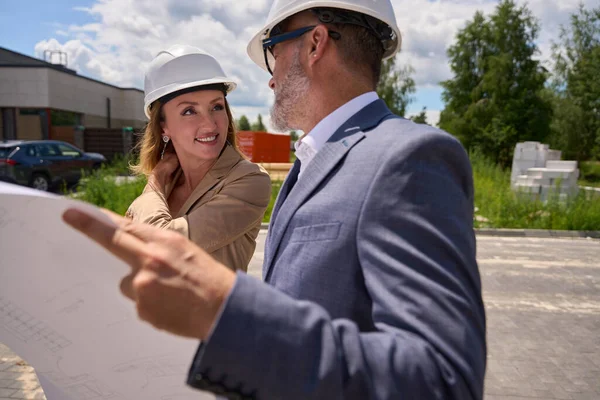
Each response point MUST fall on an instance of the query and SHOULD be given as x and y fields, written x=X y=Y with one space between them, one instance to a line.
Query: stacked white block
x=538 y=171
x=531 y=155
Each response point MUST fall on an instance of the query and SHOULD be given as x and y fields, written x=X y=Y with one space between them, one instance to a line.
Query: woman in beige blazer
x=199 y=183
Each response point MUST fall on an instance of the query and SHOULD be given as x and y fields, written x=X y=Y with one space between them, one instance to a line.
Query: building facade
x=40 y=100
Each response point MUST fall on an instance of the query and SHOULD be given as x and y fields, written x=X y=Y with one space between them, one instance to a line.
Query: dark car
x=42 y=164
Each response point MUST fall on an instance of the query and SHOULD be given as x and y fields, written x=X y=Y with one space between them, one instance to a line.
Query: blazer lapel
x=348 y=135
x=226 y=161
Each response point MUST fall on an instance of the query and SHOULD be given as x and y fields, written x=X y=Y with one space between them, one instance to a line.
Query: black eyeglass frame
x=270 y=42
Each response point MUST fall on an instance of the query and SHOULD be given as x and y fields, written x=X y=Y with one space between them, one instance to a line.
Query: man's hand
x=177 y=287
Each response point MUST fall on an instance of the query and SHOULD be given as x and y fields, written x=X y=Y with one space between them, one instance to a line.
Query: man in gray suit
x=372 y=289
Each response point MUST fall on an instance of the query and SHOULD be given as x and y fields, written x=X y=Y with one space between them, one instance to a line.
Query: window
x=68 y=151
x=29 y=111
x=5 y=151
x=47 y=150
x=31 y=151
x=64 y=118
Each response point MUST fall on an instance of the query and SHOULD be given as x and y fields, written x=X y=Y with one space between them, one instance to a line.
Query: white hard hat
x=381 y=10
x=181 y=67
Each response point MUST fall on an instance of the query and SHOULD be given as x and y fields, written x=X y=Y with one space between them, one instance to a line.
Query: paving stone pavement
x=17 y=379
x=542 y=299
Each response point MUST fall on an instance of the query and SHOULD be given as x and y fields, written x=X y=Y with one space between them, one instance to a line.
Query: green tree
x=259 y=126
x=396 y=86
x=576 y=124
x=243 y=124
x=294 y=136
x=495 y=98
x=420 y=118
x=467 y=62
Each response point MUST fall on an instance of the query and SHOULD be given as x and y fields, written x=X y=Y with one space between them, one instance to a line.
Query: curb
x=530 y=233
x=537 y=233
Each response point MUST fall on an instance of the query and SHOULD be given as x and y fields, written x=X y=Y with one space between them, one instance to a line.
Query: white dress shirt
x=309 y=145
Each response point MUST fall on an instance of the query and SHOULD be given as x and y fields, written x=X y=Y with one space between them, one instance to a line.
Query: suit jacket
x=372 y=288
x=222 y=215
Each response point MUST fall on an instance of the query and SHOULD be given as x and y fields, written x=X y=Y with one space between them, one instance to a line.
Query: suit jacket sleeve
x=417 y=251
x=230 y=213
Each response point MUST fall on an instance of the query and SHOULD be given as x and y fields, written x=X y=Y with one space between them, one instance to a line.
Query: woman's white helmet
x=381 y=10
x=181 y=67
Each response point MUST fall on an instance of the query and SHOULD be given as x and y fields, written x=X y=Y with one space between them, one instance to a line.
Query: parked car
x=42 y=164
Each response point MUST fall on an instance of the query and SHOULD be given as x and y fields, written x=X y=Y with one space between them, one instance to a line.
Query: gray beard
x=286 y=111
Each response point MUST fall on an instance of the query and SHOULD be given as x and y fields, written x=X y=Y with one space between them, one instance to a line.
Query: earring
x=166 y=140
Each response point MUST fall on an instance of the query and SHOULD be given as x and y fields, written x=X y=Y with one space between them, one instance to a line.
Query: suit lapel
x=289 y=181
x=348 y=135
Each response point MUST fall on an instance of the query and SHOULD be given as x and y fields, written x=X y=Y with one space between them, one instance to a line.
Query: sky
x=114 y=40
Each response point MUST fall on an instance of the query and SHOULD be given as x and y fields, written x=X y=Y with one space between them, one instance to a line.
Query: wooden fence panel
x=108 y=142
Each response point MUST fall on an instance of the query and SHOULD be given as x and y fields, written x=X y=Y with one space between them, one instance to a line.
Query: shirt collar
x=321 y=133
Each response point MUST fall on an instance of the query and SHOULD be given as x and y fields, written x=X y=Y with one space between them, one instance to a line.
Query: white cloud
x=124 y=35
x=432 y=116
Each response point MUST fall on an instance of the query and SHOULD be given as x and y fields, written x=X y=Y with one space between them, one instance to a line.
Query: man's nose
x=272 y=83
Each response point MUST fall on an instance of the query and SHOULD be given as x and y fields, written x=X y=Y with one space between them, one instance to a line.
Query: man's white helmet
x=282 y=9
x=181 y=67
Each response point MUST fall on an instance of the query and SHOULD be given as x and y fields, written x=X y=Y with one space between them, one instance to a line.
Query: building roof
x=9 y=58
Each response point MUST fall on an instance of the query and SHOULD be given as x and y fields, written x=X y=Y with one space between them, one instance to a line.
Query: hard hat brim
x=255 y=49
x=175 y=87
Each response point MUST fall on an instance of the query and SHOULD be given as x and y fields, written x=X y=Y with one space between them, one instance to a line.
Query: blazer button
x=216 y=389
x=201 y=383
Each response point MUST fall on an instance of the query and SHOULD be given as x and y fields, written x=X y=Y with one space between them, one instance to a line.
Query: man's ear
x=319 y=42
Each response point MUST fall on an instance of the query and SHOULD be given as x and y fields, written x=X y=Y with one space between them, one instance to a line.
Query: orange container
x=265 y=147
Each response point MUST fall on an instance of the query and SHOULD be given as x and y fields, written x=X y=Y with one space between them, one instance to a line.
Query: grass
x=102 y=189
x=497 y=206
x=275 y=187
x=589 y=173
x=119 y=165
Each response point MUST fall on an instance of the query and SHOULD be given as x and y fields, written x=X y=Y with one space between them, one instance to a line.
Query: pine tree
x=259 y=126
x=243 y=123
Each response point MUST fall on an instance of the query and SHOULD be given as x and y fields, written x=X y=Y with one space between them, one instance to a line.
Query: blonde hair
x=151 y=144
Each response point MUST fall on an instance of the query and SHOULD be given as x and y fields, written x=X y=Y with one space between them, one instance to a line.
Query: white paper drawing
x=61 y=310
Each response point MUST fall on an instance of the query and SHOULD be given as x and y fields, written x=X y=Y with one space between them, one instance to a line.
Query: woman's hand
x=163 y=172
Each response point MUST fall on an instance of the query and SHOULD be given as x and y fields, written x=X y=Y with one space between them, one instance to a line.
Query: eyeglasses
x=269 y=43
